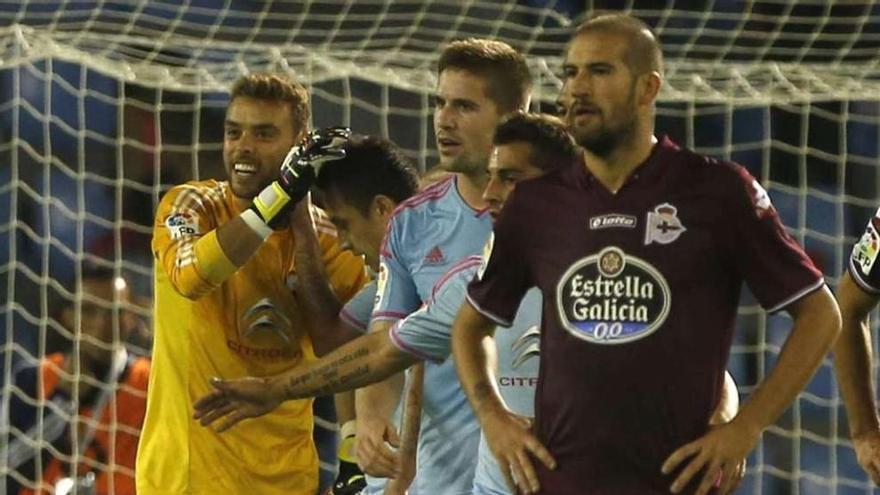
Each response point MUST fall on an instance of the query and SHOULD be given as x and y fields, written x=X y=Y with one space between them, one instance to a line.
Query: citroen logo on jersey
x=612 y=298
x=265 y=317
x=527 y=346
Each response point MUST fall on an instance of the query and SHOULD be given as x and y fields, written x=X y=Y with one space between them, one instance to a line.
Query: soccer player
x=479 y=81
x=230 y=257
x=858 y=294
x=361 y=191
x=109 y=407
x=640 y=255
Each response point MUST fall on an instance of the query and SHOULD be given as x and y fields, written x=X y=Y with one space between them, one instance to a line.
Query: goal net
x=106 y=104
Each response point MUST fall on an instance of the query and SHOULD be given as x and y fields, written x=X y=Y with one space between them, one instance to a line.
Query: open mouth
x=245 y=169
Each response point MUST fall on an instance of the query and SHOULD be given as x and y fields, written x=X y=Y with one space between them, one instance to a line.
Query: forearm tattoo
x=327 y=379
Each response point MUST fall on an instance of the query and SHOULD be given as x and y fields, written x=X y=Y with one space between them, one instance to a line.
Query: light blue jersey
x=427 y=335
x=427 y=235
x=356 y=312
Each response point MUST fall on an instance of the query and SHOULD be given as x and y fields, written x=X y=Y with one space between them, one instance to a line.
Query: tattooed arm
x=365 y=360
x=507 y=434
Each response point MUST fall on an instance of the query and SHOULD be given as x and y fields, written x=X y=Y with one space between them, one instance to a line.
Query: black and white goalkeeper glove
x=298 y=172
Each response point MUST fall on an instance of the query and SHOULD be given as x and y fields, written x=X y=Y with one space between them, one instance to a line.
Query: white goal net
x=106 y=104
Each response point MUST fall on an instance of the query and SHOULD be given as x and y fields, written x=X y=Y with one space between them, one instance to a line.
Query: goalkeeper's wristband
x=257 y=224
x=271 y=203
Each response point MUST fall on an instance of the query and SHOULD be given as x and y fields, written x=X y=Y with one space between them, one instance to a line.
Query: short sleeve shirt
x=640 y=293
x=427 y=235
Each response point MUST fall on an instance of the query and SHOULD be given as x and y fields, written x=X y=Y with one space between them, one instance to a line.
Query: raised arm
x=315 y=290
x=852 y=363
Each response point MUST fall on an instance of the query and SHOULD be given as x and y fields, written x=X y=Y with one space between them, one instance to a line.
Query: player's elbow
x=470 y=327
x=821 y=311
x=336 y=335
x=389 y=358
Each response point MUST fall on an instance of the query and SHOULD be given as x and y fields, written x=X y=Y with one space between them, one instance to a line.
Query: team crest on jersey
x=612 y=221
x=183 y=223
x=663 y=225
x=865 y=252
x=612 y=298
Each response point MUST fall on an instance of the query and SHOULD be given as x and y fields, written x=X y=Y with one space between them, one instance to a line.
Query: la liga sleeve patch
x=183 y=223
x=864 y=253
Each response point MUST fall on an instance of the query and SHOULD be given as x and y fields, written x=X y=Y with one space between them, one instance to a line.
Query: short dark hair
x=275 y=87
x=644 y=53
x=371 y=166
x=552 y=146
x=500 y=65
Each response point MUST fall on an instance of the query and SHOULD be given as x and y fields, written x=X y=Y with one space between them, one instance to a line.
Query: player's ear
x=383 y=205
x=649 y=87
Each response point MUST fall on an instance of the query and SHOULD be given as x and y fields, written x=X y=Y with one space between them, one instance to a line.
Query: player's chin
x=247 y=186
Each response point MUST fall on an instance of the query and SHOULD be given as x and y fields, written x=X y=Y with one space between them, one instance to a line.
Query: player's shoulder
x=723 y=177
x=458 y=275
x=556 y=181
x=422 y=204
x=196 y=194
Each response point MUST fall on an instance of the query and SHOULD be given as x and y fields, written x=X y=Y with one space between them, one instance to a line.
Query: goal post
x=107 y=104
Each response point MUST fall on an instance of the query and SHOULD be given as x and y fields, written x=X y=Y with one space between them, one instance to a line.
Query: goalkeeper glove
x=298 y=172
x=350 y=480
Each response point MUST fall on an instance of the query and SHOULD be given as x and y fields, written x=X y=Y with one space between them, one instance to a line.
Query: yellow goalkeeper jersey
x=214 y=320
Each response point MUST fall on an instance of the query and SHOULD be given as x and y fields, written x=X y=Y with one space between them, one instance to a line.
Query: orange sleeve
x=185 y=240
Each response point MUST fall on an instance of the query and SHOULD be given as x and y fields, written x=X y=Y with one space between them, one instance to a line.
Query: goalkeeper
x=230 y=257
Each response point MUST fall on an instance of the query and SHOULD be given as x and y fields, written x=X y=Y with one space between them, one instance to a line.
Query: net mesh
x=107 y=104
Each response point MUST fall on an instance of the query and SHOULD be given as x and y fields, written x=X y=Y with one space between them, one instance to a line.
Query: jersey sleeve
x=396 y=294
x=427 y=333
x=356 y=312
x=863 y=266
x=345 y=270
x=774 y=265
x=185 y=242
x=500 y=284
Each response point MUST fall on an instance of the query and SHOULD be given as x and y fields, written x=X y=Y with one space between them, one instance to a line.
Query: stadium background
x=106 y=104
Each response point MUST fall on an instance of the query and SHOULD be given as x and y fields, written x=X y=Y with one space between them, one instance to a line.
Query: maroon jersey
x=640 y=297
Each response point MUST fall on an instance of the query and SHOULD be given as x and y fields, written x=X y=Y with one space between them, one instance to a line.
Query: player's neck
x=613 y=170
x=471 y=189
